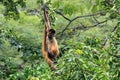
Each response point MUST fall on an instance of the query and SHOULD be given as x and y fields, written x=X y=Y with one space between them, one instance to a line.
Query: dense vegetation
x=87 y=33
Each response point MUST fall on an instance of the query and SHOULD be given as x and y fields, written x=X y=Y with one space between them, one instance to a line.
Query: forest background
x=87 y=33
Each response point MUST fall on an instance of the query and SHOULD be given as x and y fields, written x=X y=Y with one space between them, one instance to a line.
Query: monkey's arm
x=46 y=18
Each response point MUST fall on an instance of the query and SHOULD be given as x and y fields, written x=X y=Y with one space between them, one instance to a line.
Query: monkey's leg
x=50 y=63
x=48 y=60
x=52 y=56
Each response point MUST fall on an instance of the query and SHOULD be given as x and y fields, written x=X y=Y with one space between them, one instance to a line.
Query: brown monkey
x=49 y=46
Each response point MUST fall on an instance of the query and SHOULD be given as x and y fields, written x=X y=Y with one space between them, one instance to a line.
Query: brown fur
x=50 y=47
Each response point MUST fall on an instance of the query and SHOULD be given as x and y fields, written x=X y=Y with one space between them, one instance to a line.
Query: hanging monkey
x=50 y=49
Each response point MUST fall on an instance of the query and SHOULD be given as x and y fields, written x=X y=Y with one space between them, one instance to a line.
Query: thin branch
x=87 y=27
x=115 y=28
x=98 y=23
x=66 y=27
x=89 y=15
x=106 y=40
x=62 y=15
x=95 y=19
x=71 y=20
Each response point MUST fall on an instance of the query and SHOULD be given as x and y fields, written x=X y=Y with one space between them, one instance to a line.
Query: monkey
x=50 y=49
x=52 y=45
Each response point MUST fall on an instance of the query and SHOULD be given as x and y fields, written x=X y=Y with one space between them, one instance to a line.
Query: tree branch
x=106 y=40
x=87 y=27
x=71 y=20
x=62 y=15
x=89 y=15
x=95 y=19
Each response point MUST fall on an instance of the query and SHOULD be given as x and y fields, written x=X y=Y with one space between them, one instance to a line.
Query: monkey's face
x=51 y=33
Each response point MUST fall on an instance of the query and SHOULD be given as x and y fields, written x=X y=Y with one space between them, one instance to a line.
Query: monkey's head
x=51 y=33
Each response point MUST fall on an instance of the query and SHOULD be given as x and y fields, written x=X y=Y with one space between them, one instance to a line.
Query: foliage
x=11 y=6
x=89 y=48
x=115 y=53
x=86 y=62
x=34 y=72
